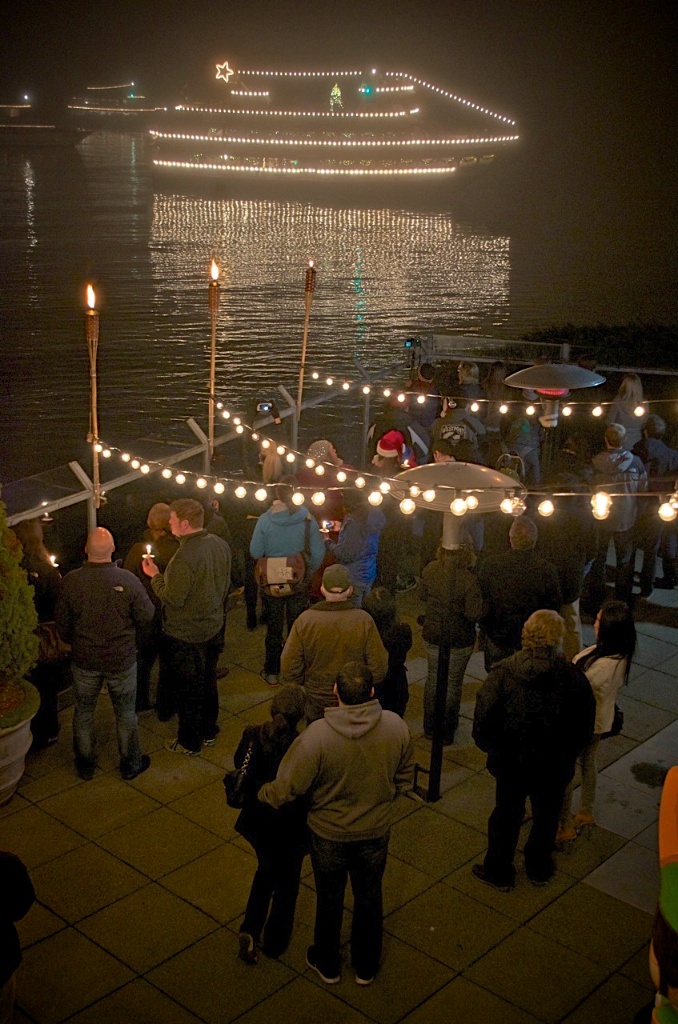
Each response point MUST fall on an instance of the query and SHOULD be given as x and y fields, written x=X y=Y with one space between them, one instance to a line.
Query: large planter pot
x=15 y=741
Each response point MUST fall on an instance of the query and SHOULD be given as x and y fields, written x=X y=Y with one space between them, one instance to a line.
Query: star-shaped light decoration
x=224 y=72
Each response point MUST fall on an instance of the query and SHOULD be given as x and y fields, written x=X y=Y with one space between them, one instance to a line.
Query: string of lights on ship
x=462 y=500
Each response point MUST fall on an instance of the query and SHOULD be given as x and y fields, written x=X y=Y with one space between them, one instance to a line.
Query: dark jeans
x=279 y=609
x=545 y=786
x=624 y=550
x=494 y=652
x=48 y=680
x=275 y=885
x=193 y=669
x=364 y=862
x=647 y=535
x=150 y=647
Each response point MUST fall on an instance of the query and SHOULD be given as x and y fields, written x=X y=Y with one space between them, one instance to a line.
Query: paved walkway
x=141 y=886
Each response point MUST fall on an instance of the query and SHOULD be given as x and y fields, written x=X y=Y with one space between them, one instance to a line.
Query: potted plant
x=19 y=699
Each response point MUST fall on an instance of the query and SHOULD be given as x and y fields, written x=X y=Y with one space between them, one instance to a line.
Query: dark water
x=387 y=267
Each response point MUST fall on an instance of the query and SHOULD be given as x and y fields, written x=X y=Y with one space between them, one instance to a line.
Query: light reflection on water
x=71 y=217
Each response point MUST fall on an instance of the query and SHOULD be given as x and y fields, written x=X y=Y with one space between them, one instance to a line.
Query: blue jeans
x=364 y=862
x=122 y=689
x=459 y=659
x=279 y=609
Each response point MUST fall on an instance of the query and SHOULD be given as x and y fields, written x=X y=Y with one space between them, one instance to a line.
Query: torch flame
x=91 y=298
x=215 y=271
x=310 y=264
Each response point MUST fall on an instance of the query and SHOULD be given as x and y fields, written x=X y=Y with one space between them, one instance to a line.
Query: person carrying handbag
x=284 y=531
x=277 y=837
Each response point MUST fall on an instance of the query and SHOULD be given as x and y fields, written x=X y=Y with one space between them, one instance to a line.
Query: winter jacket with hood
x=660 y=461
x=353 y=764
x=535 y=710
x=622 y=473
x=280 y=533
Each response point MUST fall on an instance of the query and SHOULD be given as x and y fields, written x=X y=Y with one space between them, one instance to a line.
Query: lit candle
x=53 y=560
x=149 y=553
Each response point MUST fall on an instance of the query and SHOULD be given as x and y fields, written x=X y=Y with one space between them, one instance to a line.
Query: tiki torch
x=310 y=288
x=213 y=293
x=92 y=337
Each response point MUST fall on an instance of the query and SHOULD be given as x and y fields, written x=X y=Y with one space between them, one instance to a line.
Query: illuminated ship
x=19 y=128
x=112 y=106
x=328 y=126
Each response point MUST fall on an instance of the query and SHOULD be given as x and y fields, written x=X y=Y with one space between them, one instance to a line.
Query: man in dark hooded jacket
x=534 y=714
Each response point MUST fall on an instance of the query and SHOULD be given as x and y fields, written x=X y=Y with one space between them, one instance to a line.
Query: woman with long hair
x=607 y=664
x=47 y=676
x=628 y=399
x=277 y=836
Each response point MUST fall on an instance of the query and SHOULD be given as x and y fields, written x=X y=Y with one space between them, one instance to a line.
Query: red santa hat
x=391 y=445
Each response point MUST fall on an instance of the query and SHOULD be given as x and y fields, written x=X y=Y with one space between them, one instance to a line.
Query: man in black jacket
x=514 y=585
x=534 y=714
x=98 y=612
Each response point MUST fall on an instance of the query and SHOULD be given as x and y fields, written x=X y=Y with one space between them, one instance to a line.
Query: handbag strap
x=247 y=757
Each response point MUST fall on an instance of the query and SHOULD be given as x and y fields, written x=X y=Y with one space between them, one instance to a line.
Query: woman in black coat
x=278 y=837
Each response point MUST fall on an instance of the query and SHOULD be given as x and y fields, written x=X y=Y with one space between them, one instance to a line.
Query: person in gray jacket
x=352 y=765
x=623 y=476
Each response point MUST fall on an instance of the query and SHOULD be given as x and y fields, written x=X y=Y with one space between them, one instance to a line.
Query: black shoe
x=662 y=583
x=248 y=948
x=85 y=770
x=132 y=774
x=479 y=871
x=252 y=622
x=328 y=978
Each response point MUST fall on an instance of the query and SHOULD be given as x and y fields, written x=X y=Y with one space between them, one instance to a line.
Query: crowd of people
x=325 y=773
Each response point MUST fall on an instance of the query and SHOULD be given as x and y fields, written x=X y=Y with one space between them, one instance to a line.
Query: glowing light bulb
x=401 y=397
x=261 y=494
x=375 y=497
x=281 y=449
x=201 y=482
x=315 y=375
x=255 y=437
x=329 y=381
x=415 y=491
x=429 y=495
x=384 y=487
x=546 y=508
x=341 y=477
x=503 y=409
x=266 y=443
x=107 y=453
x=145 y=468
x=219 y=487
x=125 y=456
x=290 y=457
x=318 y=498
x=472 y=502
x=240 y=429
x=407 y=506
x=359 y=481
x=180 y=478
x=530 y=411
x=240 y=492
x=226 y=414
x=387 y=392
x=236 y=420
x=458 y=507
x=310 y=463
x=421 y=399
x=507 y=506
x=474 y=407
x=667 y=512
x=600 y=505
x=366 y=390
x=98 y=447
x=167 y=473
x=135 y=463
x=598 y=411
x=639 y=410
x=297 y=498
x=567 y=410
x=346 y=386
x=320 y=470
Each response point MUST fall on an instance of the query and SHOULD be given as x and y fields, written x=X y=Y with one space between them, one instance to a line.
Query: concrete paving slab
x=449 y=926
x=433 y=842
x=138 y=1002
x=621 y=808
x=38 y=923
x=637 y=967
x=617 y=999
x=37 y=837
x=172 y=775
x=304 y=1003
x=631 y=875
x=641 y=720
x=511 y=971
x=523 y=903
x=656 y=688
x=207 y=807
x=210 y=981
x=580 y=919
x=99 y=806
x=461 y=1000
x=147 y=927
x=217 y=883
x=159 y=842
x=64 y=974
x=83 y=881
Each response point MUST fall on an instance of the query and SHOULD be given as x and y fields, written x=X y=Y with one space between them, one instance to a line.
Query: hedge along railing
x=86 y=494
